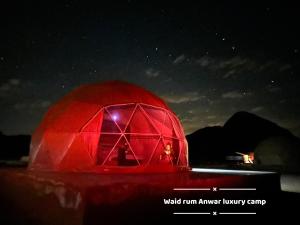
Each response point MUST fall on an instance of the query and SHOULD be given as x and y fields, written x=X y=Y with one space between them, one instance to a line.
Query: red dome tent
x=109 y=126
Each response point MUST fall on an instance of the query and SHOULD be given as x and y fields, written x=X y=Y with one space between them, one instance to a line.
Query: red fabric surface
x=108 y=125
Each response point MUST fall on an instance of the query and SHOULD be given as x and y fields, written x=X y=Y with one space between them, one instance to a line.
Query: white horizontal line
x=191 y=213
x=237 y=213
x=227 y=171
x=237 y=189
x=191 y=189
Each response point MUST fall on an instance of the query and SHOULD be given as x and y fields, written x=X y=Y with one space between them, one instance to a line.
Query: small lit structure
x=109 y=126
x=247 y=158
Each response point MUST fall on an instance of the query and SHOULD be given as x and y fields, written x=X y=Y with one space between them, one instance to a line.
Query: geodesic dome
x=109 y=126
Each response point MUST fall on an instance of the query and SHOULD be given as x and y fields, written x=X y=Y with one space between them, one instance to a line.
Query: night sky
x=206 y=61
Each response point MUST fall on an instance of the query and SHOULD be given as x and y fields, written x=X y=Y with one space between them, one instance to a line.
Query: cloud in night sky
x=233 y=95
x=229 y=73
x=285 y=67
x=9 y=86
x=151 y=73
x=14 y=81
x=183 y=98
x=210 y=117
x=190 y=122
x=257 y=109
x=205 y=61
x=36 y=105
x=272 y=88
x=236 y=62
x=239 y=65
x=179 y=59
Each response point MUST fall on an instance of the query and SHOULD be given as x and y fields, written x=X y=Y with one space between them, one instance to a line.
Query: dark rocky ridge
x=14 y=147
x=244 y=132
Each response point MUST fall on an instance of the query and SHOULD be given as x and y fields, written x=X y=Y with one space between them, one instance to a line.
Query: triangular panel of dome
x=58 y=143
x=44 y=159
x=108 y=124
x=182 y=160
x=157 y=116
x=140 y=123
x=176 y=126
x=121 y=114
x=161 y=155
x=105 y=146
x=122 y=155
x=94 y=125
x=168 y=129
x=143 y=146
x=76 y=157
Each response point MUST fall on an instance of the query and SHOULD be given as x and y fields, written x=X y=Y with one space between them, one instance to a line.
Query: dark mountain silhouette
x=207 y=145
x=14 y=147
x=243 y=132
